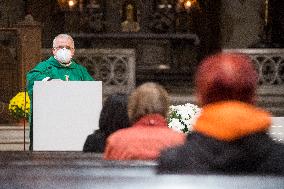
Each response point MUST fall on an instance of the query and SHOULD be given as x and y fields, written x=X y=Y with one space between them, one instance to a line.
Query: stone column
x=240 y=23
x=29 y=47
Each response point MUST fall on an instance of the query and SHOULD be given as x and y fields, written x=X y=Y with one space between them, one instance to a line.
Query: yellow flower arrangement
x=17 y=106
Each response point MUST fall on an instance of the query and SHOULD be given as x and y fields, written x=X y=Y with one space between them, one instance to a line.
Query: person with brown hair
x=149 y=134
x=230 y=136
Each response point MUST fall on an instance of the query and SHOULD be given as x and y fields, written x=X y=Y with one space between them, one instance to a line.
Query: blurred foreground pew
x=30 y=170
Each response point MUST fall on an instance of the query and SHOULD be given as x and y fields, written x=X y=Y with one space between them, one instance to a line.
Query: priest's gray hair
x=64 y=36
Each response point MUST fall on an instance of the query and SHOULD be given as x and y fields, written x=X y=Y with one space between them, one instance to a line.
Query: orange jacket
x=143 y=141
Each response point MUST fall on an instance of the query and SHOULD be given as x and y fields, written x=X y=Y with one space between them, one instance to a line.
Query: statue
x=130 y=25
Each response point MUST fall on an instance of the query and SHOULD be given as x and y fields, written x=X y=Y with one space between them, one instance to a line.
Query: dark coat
x=253 y=154
x=95 y=142
x=234 y=143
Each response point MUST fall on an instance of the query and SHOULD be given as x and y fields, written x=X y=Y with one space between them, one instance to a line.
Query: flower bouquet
x=19 y=106
x=182 y=117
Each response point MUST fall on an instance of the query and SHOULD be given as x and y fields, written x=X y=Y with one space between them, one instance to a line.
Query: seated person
x=113 y=117
x=230 y=136
x=149 y=133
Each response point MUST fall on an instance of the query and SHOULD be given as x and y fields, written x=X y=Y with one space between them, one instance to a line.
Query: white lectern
x=65 y=113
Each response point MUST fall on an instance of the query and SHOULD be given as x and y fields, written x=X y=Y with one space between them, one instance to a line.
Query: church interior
x=125 y=43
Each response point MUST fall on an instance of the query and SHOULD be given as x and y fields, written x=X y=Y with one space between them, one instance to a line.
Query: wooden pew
x=29 y=170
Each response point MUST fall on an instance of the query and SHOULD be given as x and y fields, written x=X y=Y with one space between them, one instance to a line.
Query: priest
x=59 y=66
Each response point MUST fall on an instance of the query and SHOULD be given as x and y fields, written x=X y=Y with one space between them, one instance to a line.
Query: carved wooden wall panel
x=8 y=63
x=9 y=82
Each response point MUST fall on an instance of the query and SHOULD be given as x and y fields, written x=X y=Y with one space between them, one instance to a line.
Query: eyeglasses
x=62 y=47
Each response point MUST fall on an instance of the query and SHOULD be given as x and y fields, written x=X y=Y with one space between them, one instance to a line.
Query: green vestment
x=51 y=68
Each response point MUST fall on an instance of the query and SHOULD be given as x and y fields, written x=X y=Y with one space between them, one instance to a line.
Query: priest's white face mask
x=63 y=55
x=63 y=49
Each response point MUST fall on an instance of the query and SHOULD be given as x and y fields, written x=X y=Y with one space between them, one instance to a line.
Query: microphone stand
x=25 y=121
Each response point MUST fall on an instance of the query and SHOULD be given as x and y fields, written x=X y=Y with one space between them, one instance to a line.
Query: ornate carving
x=267 y=69
x=115 y=68
x=92 y=19
x=268 y=63
x=163 y=19
x=112 y=70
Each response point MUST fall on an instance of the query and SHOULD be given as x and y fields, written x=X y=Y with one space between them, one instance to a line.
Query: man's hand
x=46 y=79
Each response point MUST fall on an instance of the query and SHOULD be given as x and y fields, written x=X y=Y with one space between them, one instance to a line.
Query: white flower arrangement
x=182 y=117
